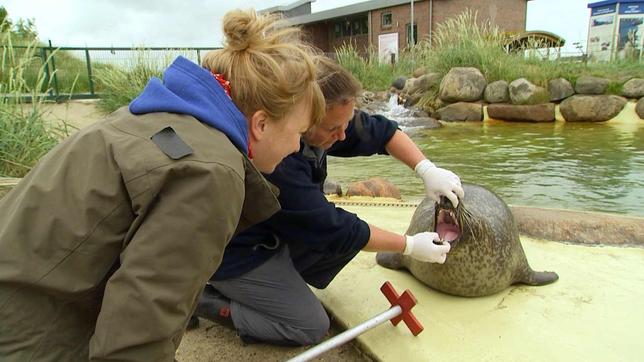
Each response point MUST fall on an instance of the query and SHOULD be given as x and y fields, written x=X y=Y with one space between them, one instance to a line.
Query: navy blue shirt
x=306 y=215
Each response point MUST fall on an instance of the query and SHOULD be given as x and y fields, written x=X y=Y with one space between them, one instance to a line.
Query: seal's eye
x=447 y=226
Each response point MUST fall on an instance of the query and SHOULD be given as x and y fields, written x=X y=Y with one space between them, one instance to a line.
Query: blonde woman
x=106 y=244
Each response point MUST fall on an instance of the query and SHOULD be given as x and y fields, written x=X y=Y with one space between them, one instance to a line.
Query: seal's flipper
x=540 y=278
x=390 y=260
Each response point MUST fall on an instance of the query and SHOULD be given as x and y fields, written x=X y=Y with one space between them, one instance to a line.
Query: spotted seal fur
x=486 y=255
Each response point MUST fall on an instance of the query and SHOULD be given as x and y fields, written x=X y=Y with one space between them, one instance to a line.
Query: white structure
x=616 y=30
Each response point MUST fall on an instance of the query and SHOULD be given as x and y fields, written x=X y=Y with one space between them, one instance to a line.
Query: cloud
x=198 y=22
x=129 y=23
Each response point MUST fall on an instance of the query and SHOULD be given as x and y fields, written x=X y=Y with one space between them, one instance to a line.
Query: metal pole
x=54 y=73
x=431 y=7
x=89 y=72
x=43 y=55
x=347 y=335
x=411 y=28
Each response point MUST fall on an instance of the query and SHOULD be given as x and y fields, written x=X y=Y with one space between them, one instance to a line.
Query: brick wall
x=319 y=34
x=400 y=18
x=508 y=15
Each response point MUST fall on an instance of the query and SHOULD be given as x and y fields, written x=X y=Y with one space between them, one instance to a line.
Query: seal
x=486 y=255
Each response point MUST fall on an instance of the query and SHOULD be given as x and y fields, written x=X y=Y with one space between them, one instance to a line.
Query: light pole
x=411 y=26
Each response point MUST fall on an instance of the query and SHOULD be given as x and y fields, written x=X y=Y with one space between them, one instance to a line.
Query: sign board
x=601 y=33
x=387 y=45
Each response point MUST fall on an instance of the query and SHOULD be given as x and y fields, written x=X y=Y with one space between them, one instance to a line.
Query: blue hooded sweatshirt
x=190 y=89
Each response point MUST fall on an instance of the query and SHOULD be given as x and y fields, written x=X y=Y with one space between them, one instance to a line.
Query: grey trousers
x=273 y=304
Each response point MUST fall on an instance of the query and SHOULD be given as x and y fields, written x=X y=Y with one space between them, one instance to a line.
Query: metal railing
x=70 y=72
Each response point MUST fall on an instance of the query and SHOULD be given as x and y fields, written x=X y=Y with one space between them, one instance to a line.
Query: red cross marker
x=406 y=302
x=400 y=310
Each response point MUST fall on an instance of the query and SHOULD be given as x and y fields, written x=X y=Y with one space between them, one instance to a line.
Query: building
x=615 y=30
x=386 y=24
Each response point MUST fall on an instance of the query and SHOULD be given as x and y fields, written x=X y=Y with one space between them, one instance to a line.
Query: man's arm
x=402 y=148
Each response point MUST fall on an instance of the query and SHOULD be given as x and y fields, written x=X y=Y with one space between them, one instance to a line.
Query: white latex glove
x=439 y=182
x=421 y=247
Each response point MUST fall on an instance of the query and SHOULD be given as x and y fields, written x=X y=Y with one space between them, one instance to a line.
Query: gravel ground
x=212 y=342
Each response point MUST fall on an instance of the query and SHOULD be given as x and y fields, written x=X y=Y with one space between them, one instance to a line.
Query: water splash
x=395 y=109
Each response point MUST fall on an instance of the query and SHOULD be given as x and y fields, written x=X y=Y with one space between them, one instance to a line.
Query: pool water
x=580 y=166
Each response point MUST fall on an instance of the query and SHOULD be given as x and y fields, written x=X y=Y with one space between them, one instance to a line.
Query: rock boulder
x=522 y=113
x=591 y=85
x=591 y=108
x=374 y=187
x=462 y=85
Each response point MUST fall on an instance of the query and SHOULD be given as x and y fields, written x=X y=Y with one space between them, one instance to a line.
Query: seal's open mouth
x=447 y=226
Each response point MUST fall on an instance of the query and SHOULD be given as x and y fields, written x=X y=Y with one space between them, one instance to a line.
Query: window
x=387 y=20
x=346 y=28
x=351 y=27
x=364 y=25
x=409 y=40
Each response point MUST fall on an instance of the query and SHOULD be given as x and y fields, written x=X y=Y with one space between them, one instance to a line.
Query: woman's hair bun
x=243 y=29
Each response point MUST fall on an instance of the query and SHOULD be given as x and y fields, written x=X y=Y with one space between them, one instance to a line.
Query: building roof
x=345 y=10
x=611 y=2
x=284 y=8
x=541 y=39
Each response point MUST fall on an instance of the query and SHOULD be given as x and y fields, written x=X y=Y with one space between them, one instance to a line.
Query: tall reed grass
x=372 y=73
x=120 y=85
x=26 y=136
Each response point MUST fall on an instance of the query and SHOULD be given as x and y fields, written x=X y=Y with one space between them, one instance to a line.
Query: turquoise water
x=579 y=166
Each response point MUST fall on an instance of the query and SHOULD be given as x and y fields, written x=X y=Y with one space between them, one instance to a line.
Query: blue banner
x=601 y=10
x=631 y=8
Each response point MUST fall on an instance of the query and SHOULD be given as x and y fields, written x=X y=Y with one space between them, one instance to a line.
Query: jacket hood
x=190 y=89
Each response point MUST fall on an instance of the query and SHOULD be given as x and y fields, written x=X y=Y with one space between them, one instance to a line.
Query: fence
x=70 y=72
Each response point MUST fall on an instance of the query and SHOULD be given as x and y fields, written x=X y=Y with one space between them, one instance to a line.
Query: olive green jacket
x=107 y=243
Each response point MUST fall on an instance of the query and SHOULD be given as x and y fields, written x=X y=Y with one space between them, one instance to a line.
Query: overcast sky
x=187 y=23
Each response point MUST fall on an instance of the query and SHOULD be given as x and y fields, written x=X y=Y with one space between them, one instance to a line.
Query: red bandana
x=225 y=84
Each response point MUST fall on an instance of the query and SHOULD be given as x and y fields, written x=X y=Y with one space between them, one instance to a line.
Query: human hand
x=440 y=182
x=422 y=247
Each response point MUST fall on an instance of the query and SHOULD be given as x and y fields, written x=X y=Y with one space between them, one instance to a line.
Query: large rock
x=639 y=108
x=332 y=188
x=522 y=91
x=634 y=88
x=374 y=187
x=560 y=89
x=399 y=83
x=523 y=113
x=366 y=97
x=422 y=84
x=591 y=108
x=419 y=72
x=497 y=92
x=461 y=111
x=462 y=85
x=591 y=85
x=428 y=81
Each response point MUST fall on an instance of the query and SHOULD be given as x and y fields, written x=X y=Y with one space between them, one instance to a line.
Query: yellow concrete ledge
x=593 y=313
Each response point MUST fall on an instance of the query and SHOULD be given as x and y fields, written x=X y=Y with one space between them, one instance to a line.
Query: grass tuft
x=26 y=136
